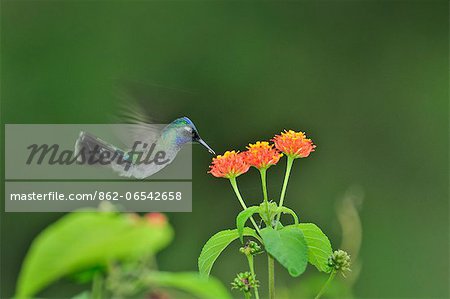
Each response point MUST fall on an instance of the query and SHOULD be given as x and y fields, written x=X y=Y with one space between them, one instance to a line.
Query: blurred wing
x=147 y=107
x=137 y=125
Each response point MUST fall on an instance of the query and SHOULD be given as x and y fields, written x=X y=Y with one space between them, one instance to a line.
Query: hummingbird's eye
x=195 y=135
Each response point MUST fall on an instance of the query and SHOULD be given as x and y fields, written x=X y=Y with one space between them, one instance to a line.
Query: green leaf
x=242 y=218
x=189 y=282
x=288 y=247
x=215 y=245
x=87 y=275
x=319 y=247
x=279 y=225
x=83 y=295
x=83 y=240
x=286 y=210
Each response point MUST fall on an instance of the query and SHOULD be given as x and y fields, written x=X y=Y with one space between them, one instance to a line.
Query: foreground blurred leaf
x=189 y=282
x=83 y=240
x=319 y=247
x=288 y=247
x=87 y=275
x=83 y=295
x=215 y=245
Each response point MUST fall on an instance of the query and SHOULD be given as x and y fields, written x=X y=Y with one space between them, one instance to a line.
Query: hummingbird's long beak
x=202 y=142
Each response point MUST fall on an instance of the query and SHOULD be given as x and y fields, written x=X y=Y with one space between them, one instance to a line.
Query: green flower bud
x=250 y=248
x=339 y=261
x=268 y=212
x=244 y=282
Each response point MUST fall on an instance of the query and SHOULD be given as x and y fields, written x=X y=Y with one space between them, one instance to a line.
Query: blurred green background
x=367 y=80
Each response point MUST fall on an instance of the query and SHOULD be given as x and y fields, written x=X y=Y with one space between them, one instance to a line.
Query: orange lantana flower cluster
x=294 y=144
x=229 y=165
x=262 y=154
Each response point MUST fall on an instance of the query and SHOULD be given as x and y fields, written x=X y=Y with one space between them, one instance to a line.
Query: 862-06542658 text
x=72 y=196
x=99 y=195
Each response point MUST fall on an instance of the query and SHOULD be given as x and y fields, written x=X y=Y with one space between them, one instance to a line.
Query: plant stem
x=325 y=286
x=97 y=286
x=270 y=260
x=290 y=161
x=263 y=172
x=238 y=194
x=271 y=269
x=247 y=295
x=252 y=270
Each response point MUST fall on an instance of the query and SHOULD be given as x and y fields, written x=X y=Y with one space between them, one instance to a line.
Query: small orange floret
x=262 y=155
x=157 y=219
x=294 y=144
x=229 y=165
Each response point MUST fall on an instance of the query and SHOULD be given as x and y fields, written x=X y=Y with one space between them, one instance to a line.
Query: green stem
x=271 y=268
x=247 y=295
x=263 y=172
x=325 y=286
x=97 y=286
x=238 y=194
x=290 y=161
x=252 y=270
x=270 y=260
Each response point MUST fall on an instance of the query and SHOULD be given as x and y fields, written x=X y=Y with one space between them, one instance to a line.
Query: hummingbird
x=142 y=138
x=167 y=142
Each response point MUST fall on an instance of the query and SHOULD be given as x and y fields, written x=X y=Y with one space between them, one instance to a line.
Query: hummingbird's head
x=187 y=132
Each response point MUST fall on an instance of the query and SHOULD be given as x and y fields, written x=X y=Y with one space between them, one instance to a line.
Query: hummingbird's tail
x=92 y=150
